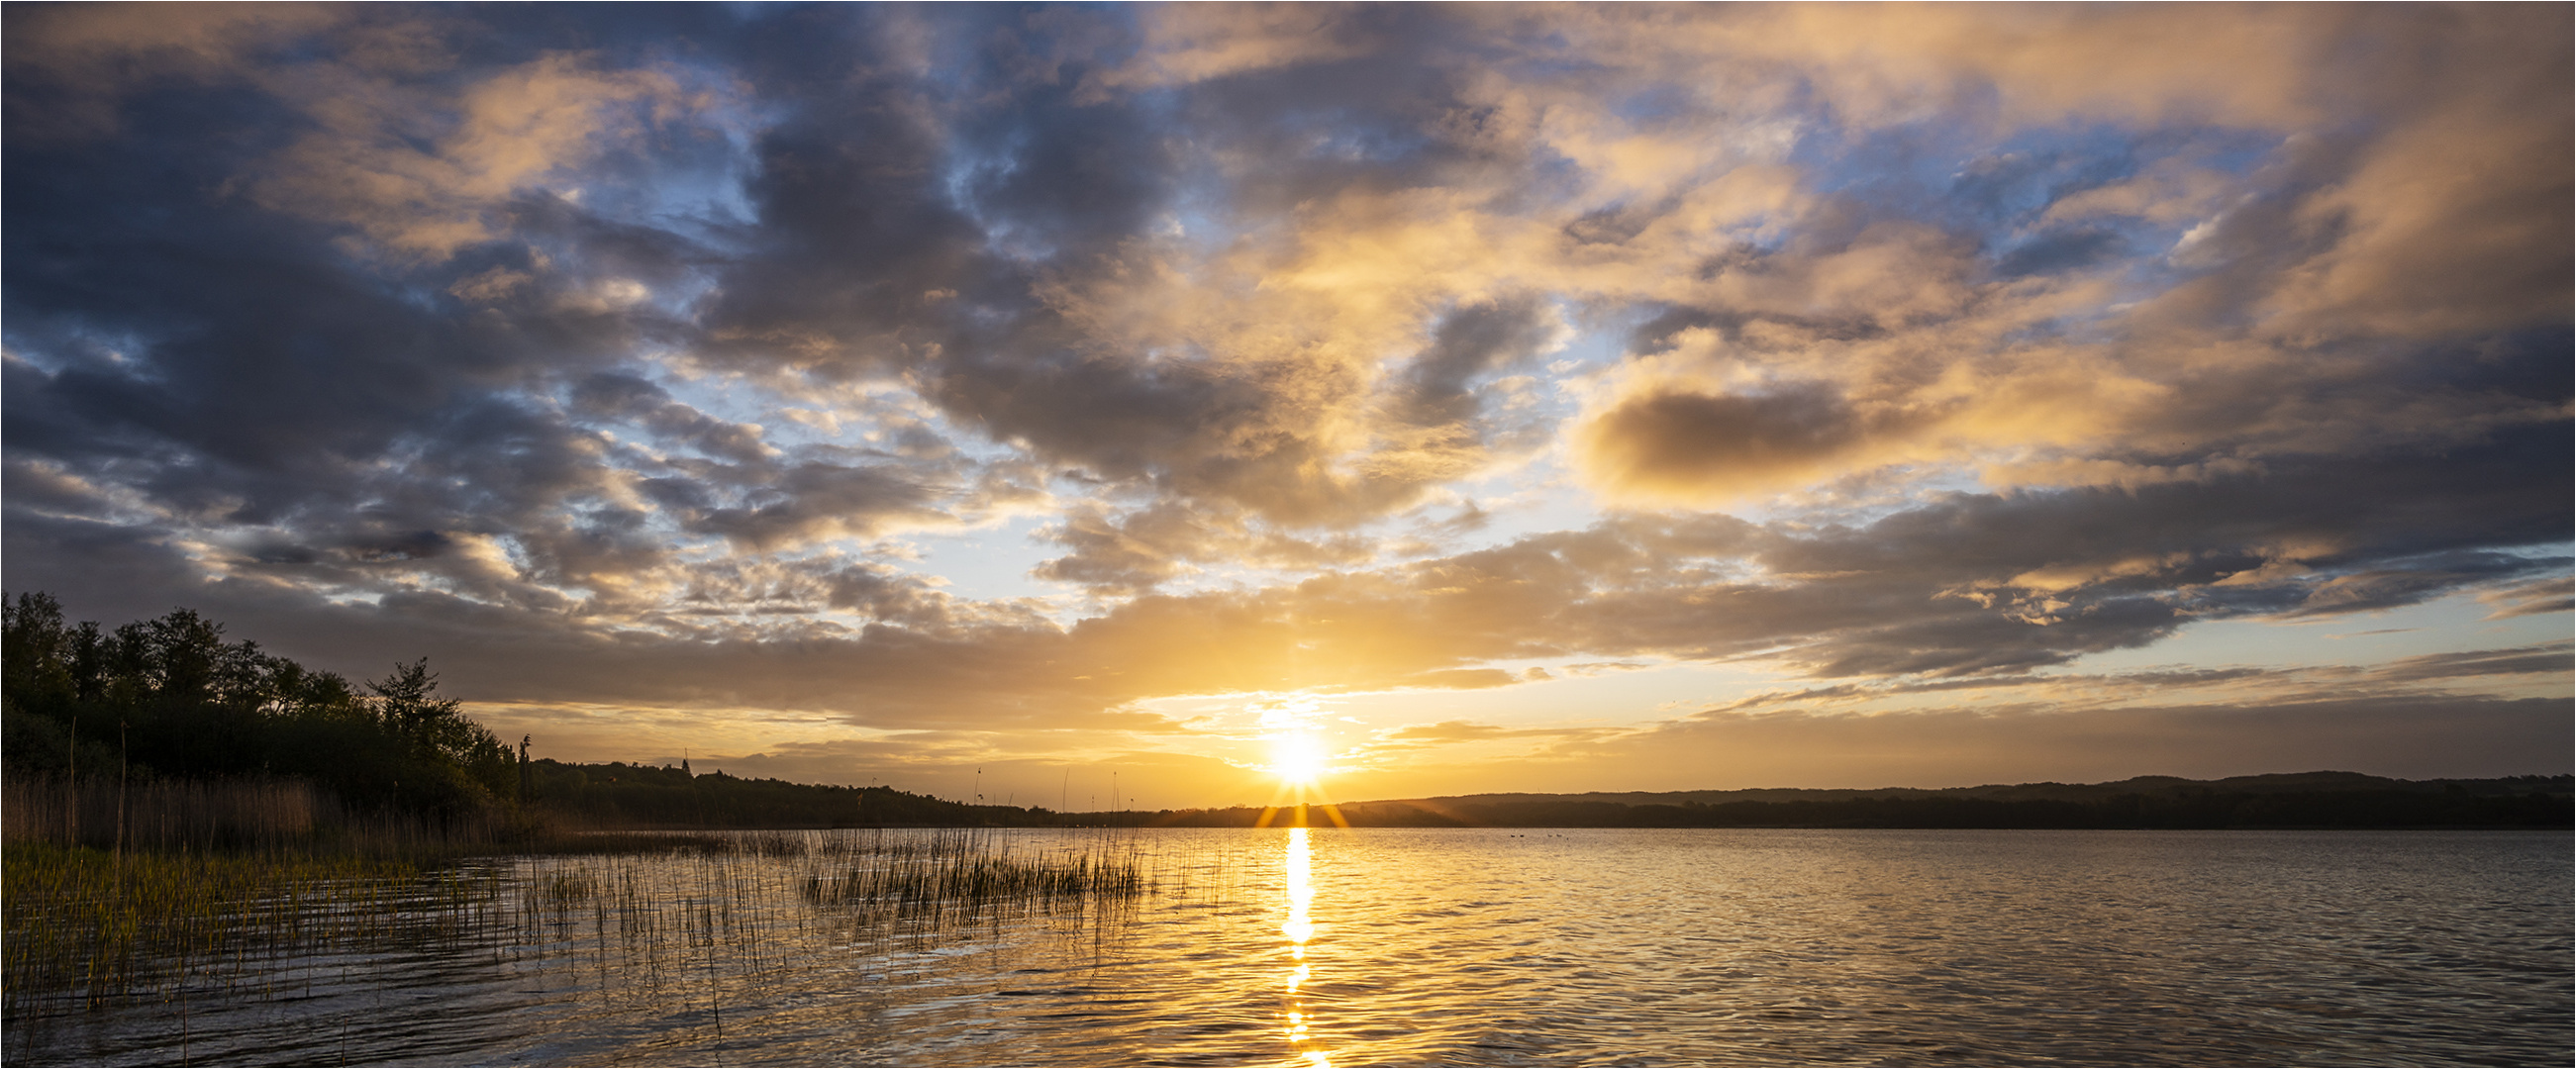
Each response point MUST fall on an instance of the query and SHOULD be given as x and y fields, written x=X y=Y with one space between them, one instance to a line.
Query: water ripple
x=1473 y=947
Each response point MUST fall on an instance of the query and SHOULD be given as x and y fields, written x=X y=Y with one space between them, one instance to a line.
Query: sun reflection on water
x=1299 y=930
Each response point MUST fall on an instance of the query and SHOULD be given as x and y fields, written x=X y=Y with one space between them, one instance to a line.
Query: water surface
x=1466 y=946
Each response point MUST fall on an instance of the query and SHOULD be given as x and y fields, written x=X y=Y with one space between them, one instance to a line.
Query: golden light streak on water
x=1299 y=930
x=1439 y=946
x=1301 y=895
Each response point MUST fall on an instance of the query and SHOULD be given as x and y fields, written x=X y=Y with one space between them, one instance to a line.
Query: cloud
x=658 y=361
x=1685 y=444
x=2532 y=598
x=75 y=64
x=1463 y=678
x=515 y=129
x=2553 y=659
x=1135 y=552
x=2395 y=736
x=1447 y=731
x=813 y=501
x=1186 y=44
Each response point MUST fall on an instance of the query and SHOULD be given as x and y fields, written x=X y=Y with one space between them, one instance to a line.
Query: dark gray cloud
x=2406 y=736
x=631 y=355
x=1699 y=439
x=2553 y=658
x=1471 y=341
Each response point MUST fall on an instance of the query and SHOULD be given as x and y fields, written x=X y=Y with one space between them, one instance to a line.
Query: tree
x=404 y=703
x=197 y=705
x=407 y=706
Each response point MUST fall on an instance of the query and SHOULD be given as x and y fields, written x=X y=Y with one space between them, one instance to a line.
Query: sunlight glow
x=1296 y=758
x=1299 y=760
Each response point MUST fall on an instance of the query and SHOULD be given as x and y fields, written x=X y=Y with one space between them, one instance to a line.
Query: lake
x=1448 y=946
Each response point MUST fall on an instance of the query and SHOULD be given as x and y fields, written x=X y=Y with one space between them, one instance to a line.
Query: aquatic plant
x=953 y=868
x=83 y=927
x=89 y=926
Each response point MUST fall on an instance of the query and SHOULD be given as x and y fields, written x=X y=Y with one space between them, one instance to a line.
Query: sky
x=1078 y=405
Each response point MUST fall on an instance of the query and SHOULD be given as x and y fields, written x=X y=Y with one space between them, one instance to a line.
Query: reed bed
x=965 y=869
x=86 y=928
x=258 y=816
x=103 y=812
x=89 y=927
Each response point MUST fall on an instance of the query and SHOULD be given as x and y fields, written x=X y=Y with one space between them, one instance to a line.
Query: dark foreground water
x=1481 y=946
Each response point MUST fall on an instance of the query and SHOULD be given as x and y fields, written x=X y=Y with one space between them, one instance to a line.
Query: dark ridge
x=2285 y=800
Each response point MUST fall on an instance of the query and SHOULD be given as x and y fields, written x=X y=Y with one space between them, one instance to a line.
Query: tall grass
x=102 y=812
x=89 y=927
x=968 y=868
x=258 y=816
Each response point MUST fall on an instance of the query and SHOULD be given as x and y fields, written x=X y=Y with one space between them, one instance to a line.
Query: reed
x=289 y=817
x=107 y=813
x=89 y=926
x=86 y=927
x=967 y=868
x=257 y=816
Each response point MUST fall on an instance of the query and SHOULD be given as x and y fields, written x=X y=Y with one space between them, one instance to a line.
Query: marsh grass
x=645 y=916
x=256 y=816
x=86 y=926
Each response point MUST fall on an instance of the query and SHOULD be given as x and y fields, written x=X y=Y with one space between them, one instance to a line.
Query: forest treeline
x=621 y=795
x=170 y=699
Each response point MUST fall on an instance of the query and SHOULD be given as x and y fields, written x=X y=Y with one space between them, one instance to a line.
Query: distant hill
x=619 y=795
x=2302 y=799
x=2273 y=783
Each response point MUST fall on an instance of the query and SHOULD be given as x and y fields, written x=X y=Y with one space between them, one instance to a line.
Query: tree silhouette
x=195 y=705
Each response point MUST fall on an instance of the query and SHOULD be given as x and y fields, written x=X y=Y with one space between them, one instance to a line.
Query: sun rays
x=1299 y=762
x=1297 y=759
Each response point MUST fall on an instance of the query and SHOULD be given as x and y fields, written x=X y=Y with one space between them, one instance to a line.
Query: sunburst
x=1297 y=758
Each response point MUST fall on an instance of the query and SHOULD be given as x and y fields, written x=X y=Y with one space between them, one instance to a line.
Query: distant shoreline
x=646 y=798
x=1327 y=825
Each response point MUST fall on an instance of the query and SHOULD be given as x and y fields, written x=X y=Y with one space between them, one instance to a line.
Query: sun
x=1296 y=758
